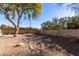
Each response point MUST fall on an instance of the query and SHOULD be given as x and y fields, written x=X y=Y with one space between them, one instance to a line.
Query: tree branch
x=7 y=17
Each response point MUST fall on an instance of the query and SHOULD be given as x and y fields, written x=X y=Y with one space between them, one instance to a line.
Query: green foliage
x=32 y=10
x=17 y=10
x=56 y=24
x=4 y=26
x=47 y=25
x=73 y=23
x=62 y=23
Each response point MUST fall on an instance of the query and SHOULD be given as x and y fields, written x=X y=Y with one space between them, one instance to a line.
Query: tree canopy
x=62 y=23
x=18 y=10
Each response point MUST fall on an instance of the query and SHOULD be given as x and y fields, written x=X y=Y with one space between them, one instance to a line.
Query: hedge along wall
x=62 y=33
x=21 y=31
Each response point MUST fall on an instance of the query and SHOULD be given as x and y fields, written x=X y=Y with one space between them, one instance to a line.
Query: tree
x=55 y=24
x=11 y=10
x=7 y=11
x=73 y=22
x=4 y=26
x=34 y=12
x=62 y=23
x=48 y=25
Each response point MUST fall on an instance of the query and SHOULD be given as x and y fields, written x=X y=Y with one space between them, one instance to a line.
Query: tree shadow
x=70 y=44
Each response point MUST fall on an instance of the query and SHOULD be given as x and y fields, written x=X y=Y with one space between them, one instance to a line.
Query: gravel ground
x=36 y=45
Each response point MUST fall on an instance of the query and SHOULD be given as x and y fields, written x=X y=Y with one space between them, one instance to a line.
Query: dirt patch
x=36 y=45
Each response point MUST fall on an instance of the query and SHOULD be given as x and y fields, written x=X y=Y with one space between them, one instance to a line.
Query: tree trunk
x=14 y=32
x=12 y=23
x=30 y=23
x=17 y=29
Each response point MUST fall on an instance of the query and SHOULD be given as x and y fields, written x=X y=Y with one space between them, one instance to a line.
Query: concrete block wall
x=63 y=33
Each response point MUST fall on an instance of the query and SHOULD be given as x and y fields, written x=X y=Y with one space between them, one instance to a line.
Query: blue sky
x=49 y=11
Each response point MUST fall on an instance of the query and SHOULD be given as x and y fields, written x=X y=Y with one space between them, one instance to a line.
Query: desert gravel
x=32 y=45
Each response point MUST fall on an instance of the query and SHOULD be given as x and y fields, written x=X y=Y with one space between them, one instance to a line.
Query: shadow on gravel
x=71 y=45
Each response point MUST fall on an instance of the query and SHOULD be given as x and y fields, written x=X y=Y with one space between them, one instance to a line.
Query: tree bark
x=30 y=23
x=12 y=23
x=17 y=29
x=7 y=17
x=10 y=20
x=18 y=23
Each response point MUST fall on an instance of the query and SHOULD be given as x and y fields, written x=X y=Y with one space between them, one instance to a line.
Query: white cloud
x=74 y=7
